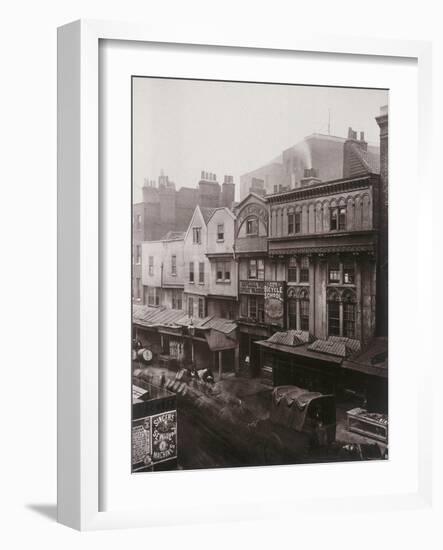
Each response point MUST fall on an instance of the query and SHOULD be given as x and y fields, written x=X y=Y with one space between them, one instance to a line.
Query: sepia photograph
x=259 y=274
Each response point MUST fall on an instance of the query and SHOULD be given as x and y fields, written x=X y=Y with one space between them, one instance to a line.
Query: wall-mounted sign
x=164 y=436
x=141 y=442
x=251 y=287
x=274 y=302
x=154 y=439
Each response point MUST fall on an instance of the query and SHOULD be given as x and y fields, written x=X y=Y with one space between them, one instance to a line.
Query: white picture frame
x=80 y=436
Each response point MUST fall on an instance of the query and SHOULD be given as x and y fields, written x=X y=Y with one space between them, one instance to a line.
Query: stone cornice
x=322 y=189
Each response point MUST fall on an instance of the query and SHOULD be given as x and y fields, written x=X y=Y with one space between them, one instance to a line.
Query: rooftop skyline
x=185 y=126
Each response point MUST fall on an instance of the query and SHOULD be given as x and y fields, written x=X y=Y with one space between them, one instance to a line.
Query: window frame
x=197 y=235
x=201 y=273
x=201 y=308
x=151 y=266
x=174 y=265
x=253 y=221
x=221 y=238
x=191 y=272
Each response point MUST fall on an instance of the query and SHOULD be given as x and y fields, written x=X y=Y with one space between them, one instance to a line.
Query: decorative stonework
x=340 y=294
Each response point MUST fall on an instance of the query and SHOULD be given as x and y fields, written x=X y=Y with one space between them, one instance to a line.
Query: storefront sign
x=251 y=287
x=164 y=436
x=274 y=302
x=154 y=439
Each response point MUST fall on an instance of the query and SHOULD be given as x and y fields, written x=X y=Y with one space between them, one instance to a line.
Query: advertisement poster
x=141 y=441
x=164 y=436
x=274 y=305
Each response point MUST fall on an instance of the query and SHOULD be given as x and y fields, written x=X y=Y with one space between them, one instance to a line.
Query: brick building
x=165 y=209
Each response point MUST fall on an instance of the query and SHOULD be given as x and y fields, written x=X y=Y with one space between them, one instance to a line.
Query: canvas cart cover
x=290 y=406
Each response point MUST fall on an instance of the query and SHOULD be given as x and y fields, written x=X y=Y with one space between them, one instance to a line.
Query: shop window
x=304 y=269
x=191 y=272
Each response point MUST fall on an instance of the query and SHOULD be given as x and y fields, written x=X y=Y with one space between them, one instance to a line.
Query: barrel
x=145 y=355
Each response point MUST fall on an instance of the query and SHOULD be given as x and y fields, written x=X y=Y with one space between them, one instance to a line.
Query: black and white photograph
x=259 y=274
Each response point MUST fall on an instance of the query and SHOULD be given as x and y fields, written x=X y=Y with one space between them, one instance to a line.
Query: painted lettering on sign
x=141 y=441
x=274 y=304
x=164 y=436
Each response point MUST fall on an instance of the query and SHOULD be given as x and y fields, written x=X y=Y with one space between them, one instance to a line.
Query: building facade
x=196 y=264
x=223 y=289
x=164 y=210
x=254 y=268
x=163 y=272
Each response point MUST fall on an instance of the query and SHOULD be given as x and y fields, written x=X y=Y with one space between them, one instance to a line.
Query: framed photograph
x=233 y=295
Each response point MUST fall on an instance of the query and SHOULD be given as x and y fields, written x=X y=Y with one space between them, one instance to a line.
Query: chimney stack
x=310 y=177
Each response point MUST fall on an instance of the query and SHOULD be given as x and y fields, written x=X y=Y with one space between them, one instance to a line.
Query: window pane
x=252 y=269
x=333 y=219
x=297 y=222
x=304 y=314
x=348 y=273
x=334 y=272
x=292 y=314
x=334 y=318
x=349 y=320
x=291 y=221
x=342 y=219
x=261 y=269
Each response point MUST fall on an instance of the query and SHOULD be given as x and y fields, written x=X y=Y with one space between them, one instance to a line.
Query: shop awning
x=373 y=360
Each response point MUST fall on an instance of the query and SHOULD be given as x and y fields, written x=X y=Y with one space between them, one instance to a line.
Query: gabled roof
x=250 y=194
x=206 y=212
x=225 y=208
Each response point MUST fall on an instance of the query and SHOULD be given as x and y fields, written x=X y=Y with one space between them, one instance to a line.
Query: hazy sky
x=186 y=126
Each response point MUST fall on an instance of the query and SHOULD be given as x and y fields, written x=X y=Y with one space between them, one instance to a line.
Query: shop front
x=297 y=366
